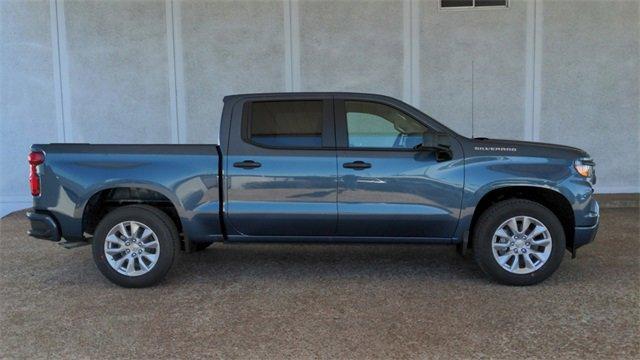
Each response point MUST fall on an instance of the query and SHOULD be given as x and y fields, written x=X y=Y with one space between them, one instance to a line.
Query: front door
x=281 y=169
x=387 y=186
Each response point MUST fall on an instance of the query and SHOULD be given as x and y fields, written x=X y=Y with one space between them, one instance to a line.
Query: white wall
x=117 y=66
x=473 y=69
x=590 y=86
x=155 y=71
x=227 y=47
x=27 y=94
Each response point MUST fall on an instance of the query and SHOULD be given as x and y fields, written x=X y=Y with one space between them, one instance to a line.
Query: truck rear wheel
x=135 y=246
x=518 y=242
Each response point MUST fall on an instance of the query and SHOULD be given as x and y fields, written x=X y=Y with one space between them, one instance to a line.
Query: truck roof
x=310 y=93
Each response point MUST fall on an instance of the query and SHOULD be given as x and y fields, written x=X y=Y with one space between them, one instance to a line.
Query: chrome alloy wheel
x=132 y=248
x=521 y=245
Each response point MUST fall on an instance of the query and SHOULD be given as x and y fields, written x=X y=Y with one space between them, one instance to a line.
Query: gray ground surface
x=260 y=301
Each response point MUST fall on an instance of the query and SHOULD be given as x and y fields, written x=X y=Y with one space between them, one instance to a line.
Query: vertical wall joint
x=411 y=42
x=533 y=70
x=292 y=45
x=176 y=74
x=60 y=69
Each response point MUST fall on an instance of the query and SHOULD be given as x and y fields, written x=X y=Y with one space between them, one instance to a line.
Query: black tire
x=497 y=214
x=159 y=223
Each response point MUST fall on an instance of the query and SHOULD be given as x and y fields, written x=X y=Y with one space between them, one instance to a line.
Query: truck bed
x=77 y=177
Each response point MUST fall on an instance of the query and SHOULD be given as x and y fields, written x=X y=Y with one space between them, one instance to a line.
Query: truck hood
x=484 y=146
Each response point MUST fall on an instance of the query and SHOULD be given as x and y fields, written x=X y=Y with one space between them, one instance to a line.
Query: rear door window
x=286 y=124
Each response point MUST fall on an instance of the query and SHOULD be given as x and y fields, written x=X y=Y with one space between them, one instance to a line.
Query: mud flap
x=463 y=247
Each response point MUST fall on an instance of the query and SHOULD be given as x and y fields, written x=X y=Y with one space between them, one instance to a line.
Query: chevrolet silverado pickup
x=317 y=167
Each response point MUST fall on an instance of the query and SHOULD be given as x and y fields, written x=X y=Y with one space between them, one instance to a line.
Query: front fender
x=489 y=173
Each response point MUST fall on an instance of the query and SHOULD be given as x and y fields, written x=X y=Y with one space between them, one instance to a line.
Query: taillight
x=35 y=158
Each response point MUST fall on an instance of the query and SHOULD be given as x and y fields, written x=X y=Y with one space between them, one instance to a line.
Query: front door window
x=373 y=125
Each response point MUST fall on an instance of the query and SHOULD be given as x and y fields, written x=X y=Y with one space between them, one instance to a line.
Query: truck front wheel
x=135 y=246
x=518 y=242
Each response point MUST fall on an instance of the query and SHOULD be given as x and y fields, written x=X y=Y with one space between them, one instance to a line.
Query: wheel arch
x=553 y=200
x=106 y=198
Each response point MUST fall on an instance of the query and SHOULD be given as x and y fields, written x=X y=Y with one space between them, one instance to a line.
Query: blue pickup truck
x=317 y=167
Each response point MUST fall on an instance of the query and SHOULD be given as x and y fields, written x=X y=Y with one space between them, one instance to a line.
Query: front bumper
x=586 y=234
x=43 y=226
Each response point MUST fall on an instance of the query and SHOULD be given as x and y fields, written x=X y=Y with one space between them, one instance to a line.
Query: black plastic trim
x=583 y=236
x=43 y=226
x=221 y=198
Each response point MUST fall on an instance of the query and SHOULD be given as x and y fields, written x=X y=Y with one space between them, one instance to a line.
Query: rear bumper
x=43 y=226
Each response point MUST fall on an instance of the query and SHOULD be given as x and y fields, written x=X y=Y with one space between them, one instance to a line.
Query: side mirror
x=435 y=141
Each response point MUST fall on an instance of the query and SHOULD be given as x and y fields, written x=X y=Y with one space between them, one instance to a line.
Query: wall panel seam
x=473 y=99
x=406 y=45
x=178 y=62
x=411 y=45
x=60 y=69
x=291 y=45
x=64 y=71
x=415 y=53
x=288 y=69
x=537 y=69
x=529 y=70
x=294 y=32
x=173 y=99
x=533 y=70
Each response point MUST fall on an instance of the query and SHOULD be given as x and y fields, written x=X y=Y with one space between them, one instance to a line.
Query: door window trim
x=328 y=127
x=342 y=136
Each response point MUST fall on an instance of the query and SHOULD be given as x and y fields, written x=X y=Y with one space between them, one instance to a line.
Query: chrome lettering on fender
x=494 y=148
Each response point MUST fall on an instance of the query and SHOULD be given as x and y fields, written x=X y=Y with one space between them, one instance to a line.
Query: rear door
x=386 y=186
x=281 y=168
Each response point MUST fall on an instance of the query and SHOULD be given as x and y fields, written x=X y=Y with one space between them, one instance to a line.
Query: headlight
x=584 y=167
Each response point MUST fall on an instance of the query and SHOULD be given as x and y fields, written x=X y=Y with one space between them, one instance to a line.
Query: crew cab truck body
x=317 y=167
